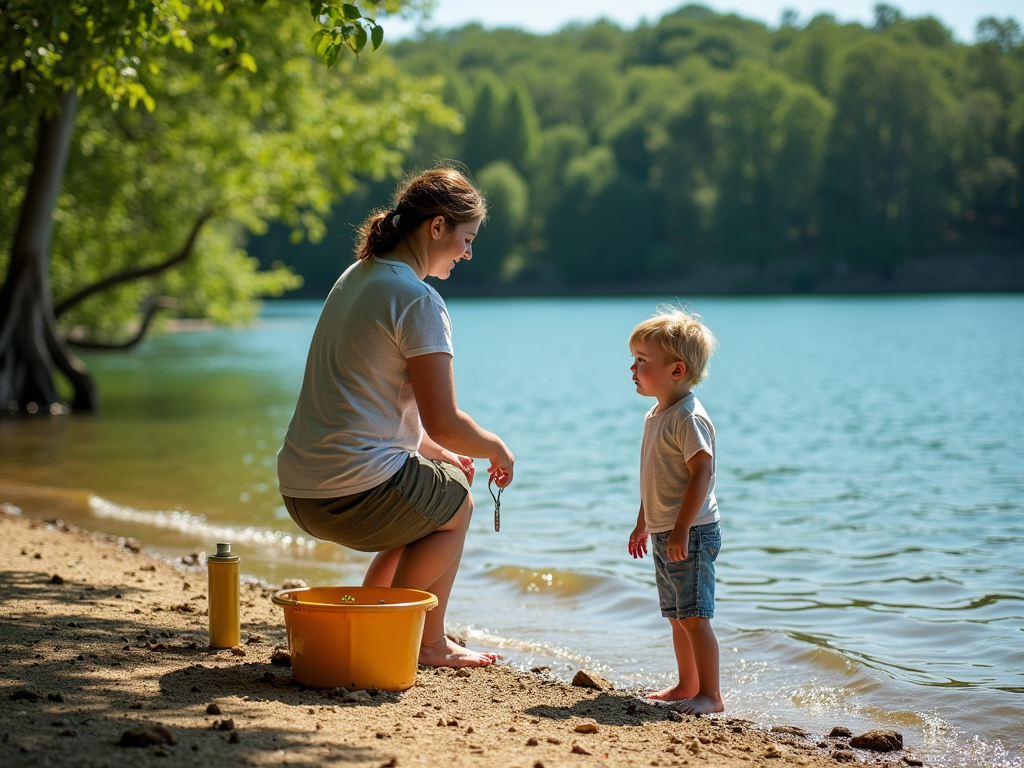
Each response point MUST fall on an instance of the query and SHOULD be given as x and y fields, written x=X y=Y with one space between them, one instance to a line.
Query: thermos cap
x=224 y=553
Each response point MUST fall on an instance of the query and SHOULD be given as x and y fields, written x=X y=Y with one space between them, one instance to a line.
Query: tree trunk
x=31 y=350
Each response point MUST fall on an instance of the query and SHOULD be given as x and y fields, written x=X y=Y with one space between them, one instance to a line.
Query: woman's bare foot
x=675 y=693
x=450 y=654
x=701 y=704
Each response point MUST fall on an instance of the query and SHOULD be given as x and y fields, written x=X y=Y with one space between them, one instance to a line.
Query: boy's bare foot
x=450 y=654
x=700 y=704
x=675 y=693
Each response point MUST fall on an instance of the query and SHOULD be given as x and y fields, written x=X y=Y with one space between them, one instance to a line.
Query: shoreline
x=983 y=272
x=98 y=638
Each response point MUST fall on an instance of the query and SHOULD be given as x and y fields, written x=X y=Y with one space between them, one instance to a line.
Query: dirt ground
x=98 y=640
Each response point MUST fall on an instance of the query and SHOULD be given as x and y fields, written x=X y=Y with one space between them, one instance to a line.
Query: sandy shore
x=97 y=639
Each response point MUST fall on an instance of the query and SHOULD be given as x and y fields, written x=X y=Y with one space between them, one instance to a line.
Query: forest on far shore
x=619 y=157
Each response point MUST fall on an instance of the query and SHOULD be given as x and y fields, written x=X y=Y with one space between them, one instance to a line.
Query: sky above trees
x=545 y=16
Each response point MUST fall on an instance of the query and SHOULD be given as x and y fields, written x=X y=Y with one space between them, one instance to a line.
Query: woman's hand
x=430 y=450
x=465 y=463
x=501 y=468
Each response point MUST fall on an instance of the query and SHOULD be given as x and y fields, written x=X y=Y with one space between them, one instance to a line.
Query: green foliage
x=707 y=137
x=772 y=134
x=883 y=148
x=508 y=214
x=278 y=142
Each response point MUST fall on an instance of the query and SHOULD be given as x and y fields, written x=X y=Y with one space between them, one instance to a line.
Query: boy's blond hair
x=681 y=336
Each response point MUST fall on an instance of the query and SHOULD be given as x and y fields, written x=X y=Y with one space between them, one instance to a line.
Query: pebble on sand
x=587 y=679
x=587 y=728
x=212 y=709
x=147 y=735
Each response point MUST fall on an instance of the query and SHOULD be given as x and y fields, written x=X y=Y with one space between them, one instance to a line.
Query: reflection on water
x=871 y=486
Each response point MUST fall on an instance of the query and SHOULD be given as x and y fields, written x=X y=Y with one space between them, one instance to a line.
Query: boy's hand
x=638 y=542
x=677 y=547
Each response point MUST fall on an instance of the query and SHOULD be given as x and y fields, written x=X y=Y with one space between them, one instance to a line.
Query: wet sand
x=97 y=640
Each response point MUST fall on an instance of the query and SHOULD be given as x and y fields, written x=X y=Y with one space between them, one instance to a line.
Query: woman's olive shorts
x=419 y=499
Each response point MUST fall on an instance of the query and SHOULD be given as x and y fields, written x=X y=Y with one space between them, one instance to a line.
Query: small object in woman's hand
x=497 y=504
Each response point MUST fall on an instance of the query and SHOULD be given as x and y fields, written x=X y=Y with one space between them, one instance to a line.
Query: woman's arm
x=433 y=384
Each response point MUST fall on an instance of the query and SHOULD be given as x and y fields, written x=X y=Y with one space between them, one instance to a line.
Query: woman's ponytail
x=378 y=235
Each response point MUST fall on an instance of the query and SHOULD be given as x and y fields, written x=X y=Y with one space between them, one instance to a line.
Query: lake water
x=871 y=483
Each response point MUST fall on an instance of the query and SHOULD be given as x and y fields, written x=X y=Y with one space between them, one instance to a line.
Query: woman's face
x=450 y=246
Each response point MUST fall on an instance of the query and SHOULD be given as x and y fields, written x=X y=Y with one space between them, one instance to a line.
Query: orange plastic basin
x=371 y=640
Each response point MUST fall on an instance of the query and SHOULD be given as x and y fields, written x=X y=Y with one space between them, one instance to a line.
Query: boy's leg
x=687 y=687
x=431 y=564
x=704 y=645
x=382 y=570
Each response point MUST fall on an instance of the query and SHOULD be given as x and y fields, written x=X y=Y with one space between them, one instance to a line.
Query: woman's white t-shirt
x=356 y=420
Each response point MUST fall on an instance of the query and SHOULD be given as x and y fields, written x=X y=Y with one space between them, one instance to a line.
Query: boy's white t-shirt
x=356 y=420
x=671 y=438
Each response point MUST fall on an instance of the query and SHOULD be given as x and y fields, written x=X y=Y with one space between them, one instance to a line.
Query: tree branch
x=136 y=274
x=159 y=302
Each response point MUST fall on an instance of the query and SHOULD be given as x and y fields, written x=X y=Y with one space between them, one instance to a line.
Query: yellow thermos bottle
x=225 y=623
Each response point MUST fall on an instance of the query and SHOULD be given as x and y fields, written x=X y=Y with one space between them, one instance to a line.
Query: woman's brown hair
x=437 y=192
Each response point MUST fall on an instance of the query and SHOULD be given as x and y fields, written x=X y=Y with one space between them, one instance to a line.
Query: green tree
x=1005 y=34
x=684 y=174
x=883 y=148
x=480 y=146
x=772 y=142
x=556 y=148
x=506 y=233
x=516 y=135
x=142 y=220
x=1016 y=153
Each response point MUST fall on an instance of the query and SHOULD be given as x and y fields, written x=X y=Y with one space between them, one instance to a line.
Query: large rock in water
x=878 y=741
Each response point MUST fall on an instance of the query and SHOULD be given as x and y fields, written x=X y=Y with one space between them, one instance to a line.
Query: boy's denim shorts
x=686 y=589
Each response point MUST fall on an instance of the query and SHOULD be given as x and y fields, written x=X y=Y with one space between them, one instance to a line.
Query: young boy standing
x=678 y=509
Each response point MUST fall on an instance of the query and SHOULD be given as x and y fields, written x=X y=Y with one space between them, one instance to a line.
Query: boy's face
x=653 y=374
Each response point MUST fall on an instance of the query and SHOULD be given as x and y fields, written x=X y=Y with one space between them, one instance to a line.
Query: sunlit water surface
x=871 y=486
